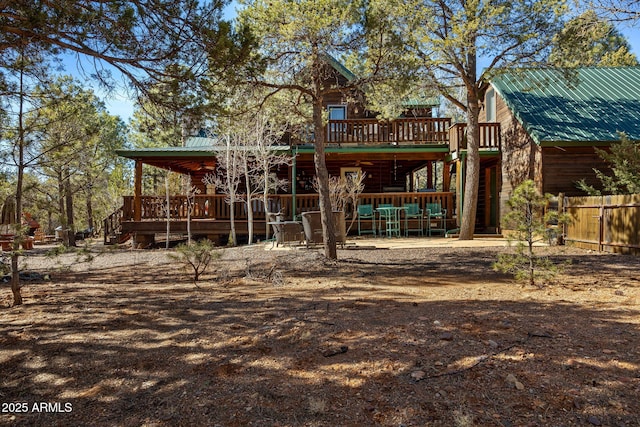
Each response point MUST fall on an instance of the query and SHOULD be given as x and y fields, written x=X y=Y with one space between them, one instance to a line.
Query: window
x=350 y=173
x=337 y=112
x=490 y=106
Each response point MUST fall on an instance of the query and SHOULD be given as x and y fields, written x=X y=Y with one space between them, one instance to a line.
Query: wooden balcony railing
x=419 y=130
x=214 y=206
x=489 y=137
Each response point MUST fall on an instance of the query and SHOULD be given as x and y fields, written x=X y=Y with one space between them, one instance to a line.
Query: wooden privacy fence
x=604 y=223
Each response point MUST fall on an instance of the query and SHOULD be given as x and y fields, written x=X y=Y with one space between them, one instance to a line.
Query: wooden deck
x=214 y=207
x=211 y=214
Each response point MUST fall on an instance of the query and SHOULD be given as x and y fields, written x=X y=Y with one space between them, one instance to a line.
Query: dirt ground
x=381 y=337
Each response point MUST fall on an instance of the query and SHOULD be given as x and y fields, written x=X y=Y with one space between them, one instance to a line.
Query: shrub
x=624 y=161
x=5 y=263
x=530 y=223
x=196 y=257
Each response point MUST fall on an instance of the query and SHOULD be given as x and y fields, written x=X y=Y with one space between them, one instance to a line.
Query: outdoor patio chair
x=412 y=211
x=284 y=232
x=438 y=215
x=312 y=226
x=366 y=212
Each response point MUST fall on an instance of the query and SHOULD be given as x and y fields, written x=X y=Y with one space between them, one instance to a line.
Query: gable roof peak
x=339 y=67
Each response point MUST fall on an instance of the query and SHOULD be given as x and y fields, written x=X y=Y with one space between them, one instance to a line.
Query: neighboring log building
x=552 y=120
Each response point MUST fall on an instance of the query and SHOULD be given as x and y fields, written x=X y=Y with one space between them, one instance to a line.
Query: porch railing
x=214 y=206
x=112 y=225
x=489 y=137
x=418 y=130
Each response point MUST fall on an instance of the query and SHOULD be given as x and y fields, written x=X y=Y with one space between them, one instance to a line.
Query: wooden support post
x=460 y=177
x=294 y=183
x=430 y=174
x=562 y=231
x=137 y=192
x=446 y=178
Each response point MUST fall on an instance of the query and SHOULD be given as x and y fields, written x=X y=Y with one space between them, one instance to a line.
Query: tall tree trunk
x=168 y=209
x=247 y=180
x=15 y=273
x=68 y=198
x=62 y=215
x=470 y=204
x=89 y=204
x=472 y=179
x=322 y=175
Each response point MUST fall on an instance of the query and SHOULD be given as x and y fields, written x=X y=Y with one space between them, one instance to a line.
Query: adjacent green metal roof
x=574 y=106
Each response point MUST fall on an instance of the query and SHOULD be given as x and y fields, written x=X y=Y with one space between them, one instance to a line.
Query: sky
x=633 y=37
x=119 y=103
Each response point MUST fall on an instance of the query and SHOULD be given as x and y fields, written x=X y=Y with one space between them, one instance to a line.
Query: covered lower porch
x=395 y=174
x=146 y=217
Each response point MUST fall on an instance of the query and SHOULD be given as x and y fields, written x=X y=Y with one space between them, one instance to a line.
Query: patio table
x=391 y=215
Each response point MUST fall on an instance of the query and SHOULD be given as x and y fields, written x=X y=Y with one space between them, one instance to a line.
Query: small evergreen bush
x=530 y=223
x=196 y=257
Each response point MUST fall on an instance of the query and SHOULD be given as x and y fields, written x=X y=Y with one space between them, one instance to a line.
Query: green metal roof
x=201 y=142
x=421 y=102
x=590 y=105
x=195 y=146
x=171 y=152
x=388 y=149
x=339 y=67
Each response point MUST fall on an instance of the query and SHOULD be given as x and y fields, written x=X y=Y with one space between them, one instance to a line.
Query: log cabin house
x=416 y=158
x=533 y=125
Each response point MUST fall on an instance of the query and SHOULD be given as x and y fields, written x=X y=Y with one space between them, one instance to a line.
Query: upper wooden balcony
x=410 y=131
x=489 y=137
x=407 y=131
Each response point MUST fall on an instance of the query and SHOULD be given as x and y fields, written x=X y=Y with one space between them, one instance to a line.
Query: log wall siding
x=564 y=167
x=521 y=157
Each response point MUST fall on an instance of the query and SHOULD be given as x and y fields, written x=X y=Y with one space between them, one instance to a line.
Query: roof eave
x=545 y=144
x=181 y=152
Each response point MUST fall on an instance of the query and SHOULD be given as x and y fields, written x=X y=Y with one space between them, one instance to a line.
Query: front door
x=491 y=199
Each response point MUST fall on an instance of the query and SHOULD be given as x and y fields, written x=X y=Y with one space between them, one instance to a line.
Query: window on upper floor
x=490 y=105
x=337 y=112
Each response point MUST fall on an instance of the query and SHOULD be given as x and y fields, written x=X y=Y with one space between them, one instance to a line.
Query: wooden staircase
x=113 y=234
